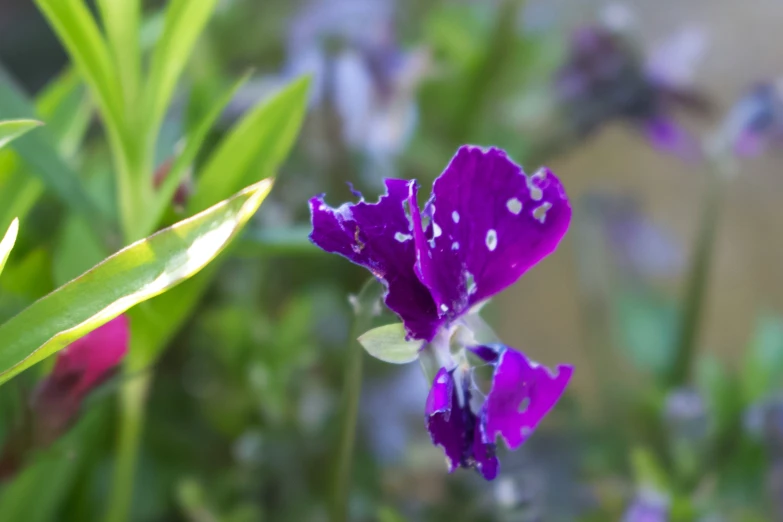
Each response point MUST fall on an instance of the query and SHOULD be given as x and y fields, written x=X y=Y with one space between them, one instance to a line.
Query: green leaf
x=7 y=244
x=65 y=107
x=185 y=160
x=121 y=21
x=388 y=344
x=44 y=161
x=646 y=328
x=185 y=21
x=256 y=146
x=268 y=132
x=143 y=270
x=12 y=129
x=77 y=30
x=763 y=369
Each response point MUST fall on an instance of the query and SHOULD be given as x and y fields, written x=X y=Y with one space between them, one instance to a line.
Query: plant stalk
x=365 y=306
x=693 y=305
x=132 y=400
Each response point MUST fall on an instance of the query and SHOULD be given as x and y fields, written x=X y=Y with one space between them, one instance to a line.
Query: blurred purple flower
x=648 y=506
x=638 y=246
x=606 y=78
x=492 y=223
x=80 y=367
x=755 y=123
x=351 y=49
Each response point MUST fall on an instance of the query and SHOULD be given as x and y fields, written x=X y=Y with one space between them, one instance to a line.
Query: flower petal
x=522 y=393
x=454 y=427
x=485 y=460
x=490 y=223
x=669 y=137
x=446 y=421
x=378 y=237
x=88 y=361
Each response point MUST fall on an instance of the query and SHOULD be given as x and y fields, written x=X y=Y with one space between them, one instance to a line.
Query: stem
x=132 y=400
x=364 y=310
x=693 y=306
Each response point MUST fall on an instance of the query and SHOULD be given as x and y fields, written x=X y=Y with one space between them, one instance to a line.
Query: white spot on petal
x=443 y=379
x=470 y=283
x=532 y=184
x=402 y=238
x=540 y=212
x=455 y=245
x=514 y=206
x=492 y=240
x=455 y=216
x=444 y=308
x=436 y=231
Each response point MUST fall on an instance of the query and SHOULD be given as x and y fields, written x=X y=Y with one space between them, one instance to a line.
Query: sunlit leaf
x=388 y=344
x=256 y=146
x=12 y=129
x=143 y=270
x=7 y=244
x=264 y=139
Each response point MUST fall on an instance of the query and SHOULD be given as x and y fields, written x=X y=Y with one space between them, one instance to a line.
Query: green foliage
x=137 y=273
x=388 y=343
x=7 y=243
x=12 y=129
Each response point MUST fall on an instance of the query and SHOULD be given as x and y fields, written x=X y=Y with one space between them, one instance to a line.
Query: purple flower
x=351 y=49
x=755 y=123
x=484 y=226
x=606 y=78
x=648 y=506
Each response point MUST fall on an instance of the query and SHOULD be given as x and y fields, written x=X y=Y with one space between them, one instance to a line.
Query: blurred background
x=662 y=119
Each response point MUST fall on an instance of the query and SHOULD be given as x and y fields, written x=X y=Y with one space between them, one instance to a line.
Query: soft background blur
x=242 y=418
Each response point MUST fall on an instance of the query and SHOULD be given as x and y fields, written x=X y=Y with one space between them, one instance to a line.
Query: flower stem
x=692 y=313
x=365 y=307
x=133 y=398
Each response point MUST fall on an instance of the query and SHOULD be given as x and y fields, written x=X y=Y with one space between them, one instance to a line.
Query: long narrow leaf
x=40 y=155
x=7 y=244
x=143 y=270
x=12 y=129
x=185 y=21
x=266 y=135
x=121 y=20
x=76 y=28
x=187 y=157
x=66 y=108
x=256 y=146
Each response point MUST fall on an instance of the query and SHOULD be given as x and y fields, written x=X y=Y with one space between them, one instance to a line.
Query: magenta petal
x=378 y=236
x=522 y=393
x=92 y=357
x=490 y=224
x=446 y=421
